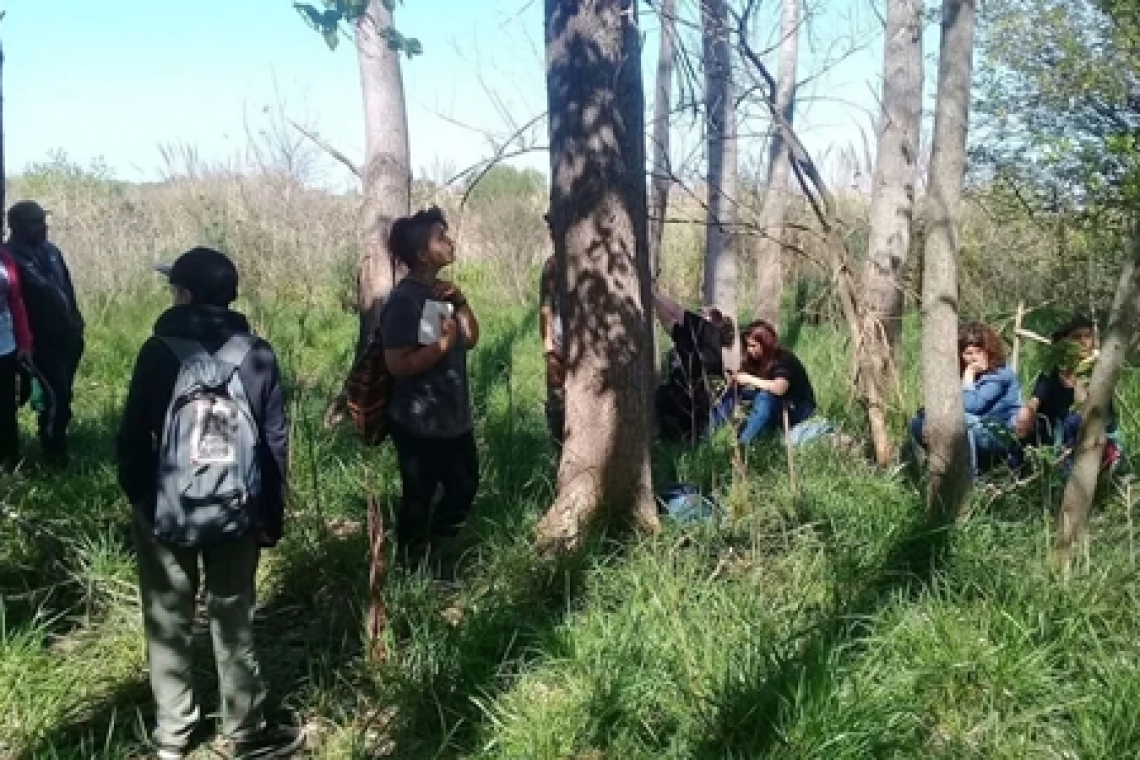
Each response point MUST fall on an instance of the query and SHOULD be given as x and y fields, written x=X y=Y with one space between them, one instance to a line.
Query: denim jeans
x=987 y=446
x=764 y=415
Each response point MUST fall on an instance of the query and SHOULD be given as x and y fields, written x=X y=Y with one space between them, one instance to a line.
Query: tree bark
x=892 y=213
x=662 y=106
x=387 y=164
x=598 y=204
x=719 y=288
x=769 y=250
x=949 y=459
x=1123 y=321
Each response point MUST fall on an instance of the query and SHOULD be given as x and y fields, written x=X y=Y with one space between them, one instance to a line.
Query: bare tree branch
x=329 y=149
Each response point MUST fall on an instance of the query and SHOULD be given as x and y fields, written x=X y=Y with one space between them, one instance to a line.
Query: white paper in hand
x=431 y=320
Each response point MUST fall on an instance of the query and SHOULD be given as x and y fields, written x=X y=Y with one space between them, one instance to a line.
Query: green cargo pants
x=168 y=588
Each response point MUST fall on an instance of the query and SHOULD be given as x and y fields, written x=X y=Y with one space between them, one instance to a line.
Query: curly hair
x=982 y=336
x=410 y=235
x=763 y=333
x=724 y=325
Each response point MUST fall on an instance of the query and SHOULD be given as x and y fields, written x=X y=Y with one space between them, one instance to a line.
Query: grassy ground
x=824 y=623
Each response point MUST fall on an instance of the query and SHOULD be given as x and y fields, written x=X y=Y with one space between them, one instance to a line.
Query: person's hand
x=555 y=371
x=969 y=374
x=450 y=292
x=1023 y=424
x=744 y=378
x=449 y=332
x=24 y=355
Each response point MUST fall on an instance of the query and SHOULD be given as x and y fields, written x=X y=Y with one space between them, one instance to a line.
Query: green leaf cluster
x=339 y=15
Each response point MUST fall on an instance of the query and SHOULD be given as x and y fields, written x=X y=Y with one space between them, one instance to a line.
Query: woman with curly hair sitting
x=991 y=398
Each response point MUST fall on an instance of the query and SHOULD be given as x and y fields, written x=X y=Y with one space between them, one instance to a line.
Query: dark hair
x=410 y=235
x=209 y=276
x=982 y=336
x=763 y=333
x=1075 y=323
x=724 y=325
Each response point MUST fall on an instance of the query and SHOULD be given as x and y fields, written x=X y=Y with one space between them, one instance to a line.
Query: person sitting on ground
x=991 y=398
x=210 y=489
x=427 y=328
x=773 y=379
x=550 y=330
x=1049 y=417
x=684 y=401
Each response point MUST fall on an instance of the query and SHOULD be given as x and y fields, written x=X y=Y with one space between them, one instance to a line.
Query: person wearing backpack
x=202 y=450
x=427 y=327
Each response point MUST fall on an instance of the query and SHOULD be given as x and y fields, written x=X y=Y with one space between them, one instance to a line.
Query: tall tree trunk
x=769 y=250
x=662 y=106
x=598 y=204
x=1123 y=321
x=387 y=162
x=719 y=288
x=949 y=458
x=892 y=212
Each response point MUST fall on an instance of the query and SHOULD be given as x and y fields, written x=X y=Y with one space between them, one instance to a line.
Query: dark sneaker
x=270 y=742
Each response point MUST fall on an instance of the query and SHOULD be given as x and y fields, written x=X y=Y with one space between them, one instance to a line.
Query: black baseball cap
x=208 y=275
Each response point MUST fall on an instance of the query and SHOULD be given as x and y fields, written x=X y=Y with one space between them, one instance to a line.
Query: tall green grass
x=825 y=621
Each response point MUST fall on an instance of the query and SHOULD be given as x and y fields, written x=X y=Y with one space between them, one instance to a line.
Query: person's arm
x=403 y=354
x=275 y=434
x=70 y=289
x=546 y=296
x=16 y=307
x=135 y=445
x=979 y=396
x=777 y=386
x=669 y=312
x=468 y=322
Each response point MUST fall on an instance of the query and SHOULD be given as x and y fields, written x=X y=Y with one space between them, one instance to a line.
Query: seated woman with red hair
x=773 y=379
x=991 y=398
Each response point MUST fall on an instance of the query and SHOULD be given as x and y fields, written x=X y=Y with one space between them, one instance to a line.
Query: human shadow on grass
x=754 y=714
x=47 y=518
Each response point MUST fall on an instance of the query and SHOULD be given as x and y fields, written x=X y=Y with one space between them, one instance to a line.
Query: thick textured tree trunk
x=662 y=106
x=769 y=249
x=1123 y=321
x=949 y=459
x=719 y=288
x=387 y=164
x=892 y=213
x=598 y=205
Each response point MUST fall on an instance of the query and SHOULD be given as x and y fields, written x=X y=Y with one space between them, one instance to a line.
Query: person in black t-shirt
x=773 y=379
x=684 y=401
x=1048 y=416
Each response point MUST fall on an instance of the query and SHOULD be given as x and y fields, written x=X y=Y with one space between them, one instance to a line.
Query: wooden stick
x=1017 y=334
x=791 y=455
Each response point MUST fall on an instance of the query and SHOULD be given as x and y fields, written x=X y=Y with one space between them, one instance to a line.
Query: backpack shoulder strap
x=234 y=351
x=184 y=348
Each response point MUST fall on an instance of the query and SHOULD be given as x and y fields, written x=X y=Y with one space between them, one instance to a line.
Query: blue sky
x=114 y=79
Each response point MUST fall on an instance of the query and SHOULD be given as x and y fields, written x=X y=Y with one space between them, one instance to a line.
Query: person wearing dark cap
x=203 y=285
x=1049 y=416
x=54 y=318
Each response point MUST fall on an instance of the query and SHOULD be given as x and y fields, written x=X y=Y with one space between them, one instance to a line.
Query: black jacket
x=49 y=296
x=152 y=386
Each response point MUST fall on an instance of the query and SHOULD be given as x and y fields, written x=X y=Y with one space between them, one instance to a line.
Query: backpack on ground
x=208 y=468
x=367 y=389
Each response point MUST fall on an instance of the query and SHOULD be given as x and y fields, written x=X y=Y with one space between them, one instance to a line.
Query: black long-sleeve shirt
x=152 y=386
